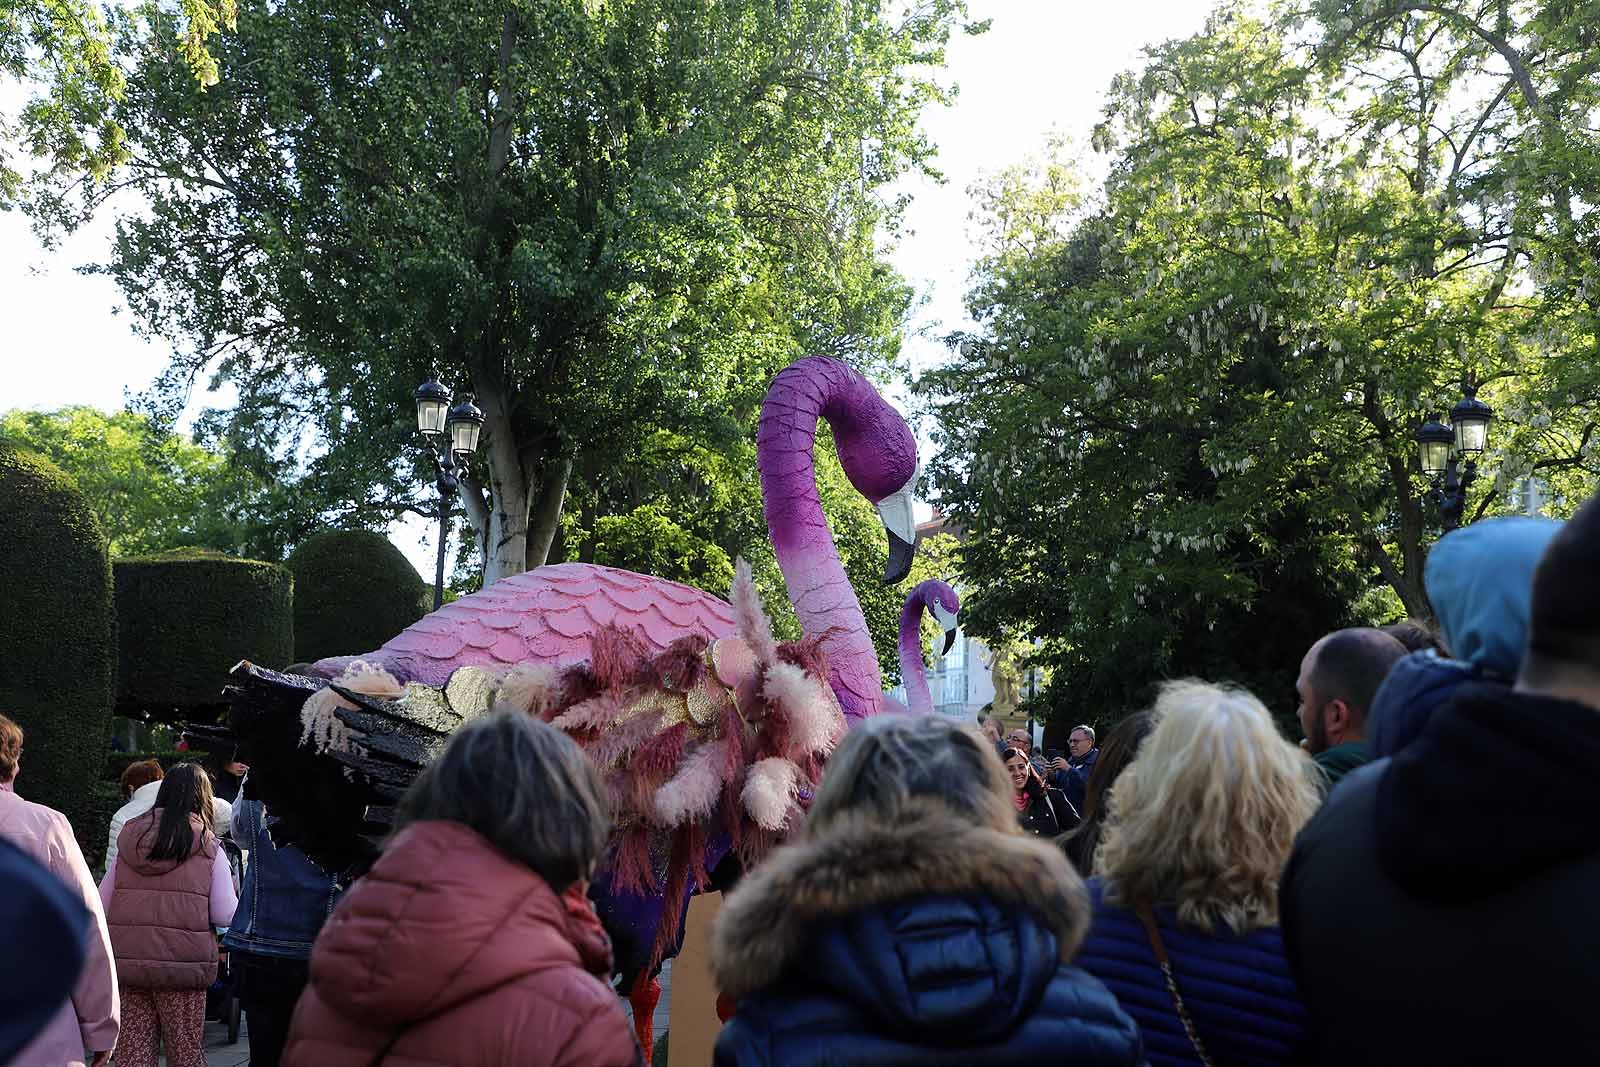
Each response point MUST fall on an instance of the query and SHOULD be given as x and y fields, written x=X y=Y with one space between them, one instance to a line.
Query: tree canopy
x=153 y=490
x=1181 y=439
x=603 y=220
x=65 y=48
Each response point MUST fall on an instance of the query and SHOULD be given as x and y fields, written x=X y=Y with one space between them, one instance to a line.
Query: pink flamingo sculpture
x=711 y=734
x=940 y=601
x=549 y=615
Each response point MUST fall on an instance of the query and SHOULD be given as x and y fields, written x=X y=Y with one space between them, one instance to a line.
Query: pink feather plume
x=631 y=870
x=815 y=722
x=750 y=617
x=692 y=792
x=592 y=714
x=623 y=738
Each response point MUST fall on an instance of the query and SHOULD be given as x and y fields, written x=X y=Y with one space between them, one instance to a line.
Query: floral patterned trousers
x=178 y=1018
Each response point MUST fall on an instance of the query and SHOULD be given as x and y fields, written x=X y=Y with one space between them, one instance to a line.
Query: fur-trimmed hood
x=861 y=863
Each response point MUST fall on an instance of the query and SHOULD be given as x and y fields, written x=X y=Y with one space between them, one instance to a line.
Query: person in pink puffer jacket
x=84 y=1029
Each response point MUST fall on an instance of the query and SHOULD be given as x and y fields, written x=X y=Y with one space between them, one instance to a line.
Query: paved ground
x=221 y=1054
x=218 y=1052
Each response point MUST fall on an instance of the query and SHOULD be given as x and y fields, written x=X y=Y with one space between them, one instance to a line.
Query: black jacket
x=1048 y=813
x=931 y=942
x=1440 y=908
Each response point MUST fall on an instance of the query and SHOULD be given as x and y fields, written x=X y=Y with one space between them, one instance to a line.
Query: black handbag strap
x=1147 y=917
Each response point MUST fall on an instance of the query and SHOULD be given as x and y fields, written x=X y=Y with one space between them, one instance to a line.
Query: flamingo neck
x=819 y=589
x=912 y=669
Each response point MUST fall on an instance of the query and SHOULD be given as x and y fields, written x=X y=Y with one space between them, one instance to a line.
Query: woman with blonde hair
x=913 y=922
x=1185 y=892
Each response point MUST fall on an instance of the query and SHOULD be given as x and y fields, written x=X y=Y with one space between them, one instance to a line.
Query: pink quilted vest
x=160 y=914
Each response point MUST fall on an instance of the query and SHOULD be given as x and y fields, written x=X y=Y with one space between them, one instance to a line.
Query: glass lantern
x=1470 y=420
x=1436 y=440
x=433 y=402
x=466 y=424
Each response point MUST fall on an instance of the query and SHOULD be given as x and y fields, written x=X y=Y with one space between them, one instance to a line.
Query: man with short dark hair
x=1338 y=678
x=1449 y=888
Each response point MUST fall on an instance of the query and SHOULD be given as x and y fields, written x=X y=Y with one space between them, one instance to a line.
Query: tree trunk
x=545 y=517
x=506 y=547
x=500 y=515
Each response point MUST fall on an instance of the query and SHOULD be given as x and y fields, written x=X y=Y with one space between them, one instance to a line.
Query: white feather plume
x=533 y=688
x=769 y=791
x=319 y=722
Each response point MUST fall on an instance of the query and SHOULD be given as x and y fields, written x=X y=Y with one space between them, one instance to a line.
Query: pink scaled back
x=548 y=615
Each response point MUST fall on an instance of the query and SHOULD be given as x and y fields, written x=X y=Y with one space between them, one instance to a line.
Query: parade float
x=709 y=734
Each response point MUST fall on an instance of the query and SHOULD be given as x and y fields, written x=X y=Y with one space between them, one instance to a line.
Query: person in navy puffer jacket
x=913 y=923
x=1199 y=827
x=1479 y=580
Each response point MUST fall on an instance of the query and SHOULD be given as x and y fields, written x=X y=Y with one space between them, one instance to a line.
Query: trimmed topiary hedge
x=185 y=618
x=57 y=635
x=118 y=762
x=101 y=801
x=353 y=591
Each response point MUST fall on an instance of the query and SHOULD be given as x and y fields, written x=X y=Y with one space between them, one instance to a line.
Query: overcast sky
x=1044 y=65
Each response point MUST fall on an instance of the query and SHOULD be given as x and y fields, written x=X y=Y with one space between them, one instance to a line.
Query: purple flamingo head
x=879 y=455
x=943 y=604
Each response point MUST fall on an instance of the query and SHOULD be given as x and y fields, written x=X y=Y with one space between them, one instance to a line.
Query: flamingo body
x=548 y=615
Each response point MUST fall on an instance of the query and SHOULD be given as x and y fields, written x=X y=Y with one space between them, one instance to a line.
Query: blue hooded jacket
x=928 y=942
x=1480 y=580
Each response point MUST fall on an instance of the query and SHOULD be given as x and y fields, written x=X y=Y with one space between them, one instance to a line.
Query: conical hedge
x=57 y=636
x=185 y=618
x=353 y=591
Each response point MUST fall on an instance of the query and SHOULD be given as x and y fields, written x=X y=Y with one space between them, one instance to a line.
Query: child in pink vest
x=170 y=886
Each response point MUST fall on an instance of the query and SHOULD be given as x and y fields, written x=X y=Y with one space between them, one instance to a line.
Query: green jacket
x=1340 y=760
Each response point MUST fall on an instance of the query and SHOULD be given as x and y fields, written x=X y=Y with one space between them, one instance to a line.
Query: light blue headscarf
x=1480 y=579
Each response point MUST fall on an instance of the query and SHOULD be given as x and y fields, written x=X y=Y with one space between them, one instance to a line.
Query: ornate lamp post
x=452 y=435
x=1444 y=447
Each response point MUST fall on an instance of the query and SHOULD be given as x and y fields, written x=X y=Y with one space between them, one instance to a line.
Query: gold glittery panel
x=470 y=691
x=427 y=706
x=706 y=702
x=674 y=707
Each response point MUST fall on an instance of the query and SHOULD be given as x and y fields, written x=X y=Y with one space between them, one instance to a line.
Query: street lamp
x=452 y=435
x=1443 y=446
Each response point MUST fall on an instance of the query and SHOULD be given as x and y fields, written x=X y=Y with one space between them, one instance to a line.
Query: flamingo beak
x=947 y=620
x=899 y=522
x=901 y=553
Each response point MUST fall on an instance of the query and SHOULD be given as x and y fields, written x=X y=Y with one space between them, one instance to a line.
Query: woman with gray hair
x=471 y=941
x=912 y=922
x=1185 y=891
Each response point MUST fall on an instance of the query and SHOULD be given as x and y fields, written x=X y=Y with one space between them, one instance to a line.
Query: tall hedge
x=184 y=620
x=57 y=635
x=353 y=591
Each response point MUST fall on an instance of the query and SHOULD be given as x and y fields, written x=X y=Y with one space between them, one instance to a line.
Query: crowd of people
x=1406 y=883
